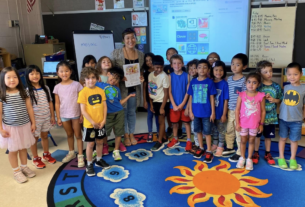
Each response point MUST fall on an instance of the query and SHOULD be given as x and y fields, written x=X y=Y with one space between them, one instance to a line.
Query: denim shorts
x=291 y=130
x=202 y=125
x=68 y=119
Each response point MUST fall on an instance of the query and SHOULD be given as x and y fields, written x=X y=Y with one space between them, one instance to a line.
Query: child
x=179 y=82
x=43 y=112
x=103 y=65
x=292 y=112
x=158 y=85
x=218 y=74
x=236 y=85
x=213 y=57
x=17 y=122
x=274 y=95
x=68 y=110
x=250 y=116
x=115 y=113
x=89 y=61
x=148 y=68
x=202 y=108
x=92 y=101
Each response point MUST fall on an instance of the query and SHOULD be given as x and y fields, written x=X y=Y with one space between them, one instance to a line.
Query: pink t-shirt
x=250 y=111
x=68 y=94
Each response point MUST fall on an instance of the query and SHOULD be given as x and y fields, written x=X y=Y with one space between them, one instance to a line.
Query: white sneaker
x=20 y=177
x=69 y=157
x=80 y=160
x=241 y=162
x=116 y=155
x=249 y=164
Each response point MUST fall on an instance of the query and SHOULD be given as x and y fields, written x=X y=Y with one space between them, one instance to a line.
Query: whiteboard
x=96 y=43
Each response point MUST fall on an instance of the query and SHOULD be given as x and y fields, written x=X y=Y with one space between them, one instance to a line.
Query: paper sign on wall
x=139 y=19
x=96 y=27
x=140 y=34
x=138 y=3
x=100 y=5
x=118 y=4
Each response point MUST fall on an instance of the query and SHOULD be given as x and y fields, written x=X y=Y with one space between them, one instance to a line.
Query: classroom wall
x=30 y=24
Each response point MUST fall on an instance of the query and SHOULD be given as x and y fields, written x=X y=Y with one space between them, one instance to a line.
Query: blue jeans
x=130 y=115
x=150 y=116
x=291 y=130
x=202 y=125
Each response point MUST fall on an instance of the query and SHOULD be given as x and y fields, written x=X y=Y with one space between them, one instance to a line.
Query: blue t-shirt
x=222 y=89
x=179 y=87
x=113 y=96
x=201 y=92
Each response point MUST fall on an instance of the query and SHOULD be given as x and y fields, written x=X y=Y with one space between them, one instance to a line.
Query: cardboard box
x=54 y=41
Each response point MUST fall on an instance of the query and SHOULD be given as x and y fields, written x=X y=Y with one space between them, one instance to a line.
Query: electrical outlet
x=13 y=23
x=16 y=22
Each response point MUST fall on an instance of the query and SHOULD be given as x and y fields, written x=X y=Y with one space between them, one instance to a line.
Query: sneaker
x=103 y=164
x=234 y=158
x=293 y=164
x=282 y=163
x=47 y=157
x=20 y=177
x=194 y=149
x=241 y=163
x=249 y=164
x=165 y=141
x=180 y=134
x=90 y=170
x=255 y=158
x=218 y=152
x=208 y=157
x=94 y=154
x=150 y=138
x=214 y=148
x=173 y=143
x=188 y=146
x=28 y=172
x=199 y=153
x=38 y=163
x=169 y=131
x=158 y=146
x=269 y=159
x=116 y=155
x=69 y=157
x=80 y=161
x=122 y=148
x=105 y=149
x=228 y=151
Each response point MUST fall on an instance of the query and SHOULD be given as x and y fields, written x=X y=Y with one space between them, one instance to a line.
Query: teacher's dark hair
x=127 y=32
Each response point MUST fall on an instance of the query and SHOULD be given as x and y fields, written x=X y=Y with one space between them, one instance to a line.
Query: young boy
x=274 y=95
x=158 y=85
x=292 y=112
x=115 y=113
x=202 y=108
x=179 y=82
x=236 y=84
x=92 y=101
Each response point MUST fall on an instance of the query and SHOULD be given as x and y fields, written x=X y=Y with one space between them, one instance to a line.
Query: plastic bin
x=55 y=57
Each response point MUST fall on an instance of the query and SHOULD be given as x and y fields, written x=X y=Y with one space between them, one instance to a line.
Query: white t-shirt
x=156 y=85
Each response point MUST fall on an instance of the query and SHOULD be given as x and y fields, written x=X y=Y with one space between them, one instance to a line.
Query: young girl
x=218 y=75
x=43 y=112
x=274 y=95
x=250 y=116
x=147 y=67
x=213 y=57
x=89 y=61
x=17 y=123
x=68 y=110
x=103 y=65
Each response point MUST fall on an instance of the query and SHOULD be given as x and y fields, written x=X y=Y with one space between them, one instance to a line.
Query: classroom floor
x=33 y=193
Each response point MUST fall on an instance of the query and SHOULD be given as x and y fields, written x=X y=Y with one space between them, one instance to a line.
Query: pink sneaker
x=122 y=148
x=105 y=149
x=214 y=147
x=218 y=152
x=241 y=162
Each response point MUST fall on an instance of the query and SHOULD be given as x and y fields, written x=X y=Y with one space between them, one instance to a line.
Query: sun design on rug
x=218 y=183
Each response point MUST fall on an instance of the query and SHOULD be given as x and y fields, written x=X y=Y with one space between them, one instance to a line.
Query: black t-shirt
x=133 y=88
x=168 y=69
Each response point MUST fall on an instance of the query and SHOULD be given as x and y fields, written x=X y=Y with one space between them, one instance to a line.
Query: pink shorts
x=247 y=131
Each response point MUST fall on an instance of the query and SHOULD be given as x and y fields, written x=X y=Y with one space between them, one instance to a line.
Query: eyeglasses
x=215 y=58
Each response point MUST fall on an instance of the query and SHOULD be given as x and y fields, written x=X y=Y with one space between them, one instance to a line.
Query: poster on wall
x=139 y=19
x=140 y=34
x=118 y=4
x=100 y=5
x=138 y=3
x=96 y=27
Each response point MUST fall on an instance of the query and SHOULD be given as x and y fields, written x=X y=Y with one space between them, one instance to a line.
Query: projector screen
x=198 y=27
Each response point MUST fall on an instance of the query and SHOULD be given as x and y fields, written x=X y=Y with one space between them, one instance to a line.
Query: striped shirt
x=235 y=86
x=42 y=108
x=14 y=111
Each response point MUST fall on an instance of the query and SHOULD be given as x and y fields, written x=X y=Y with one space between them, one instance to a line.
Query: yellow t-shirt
x=93 y=98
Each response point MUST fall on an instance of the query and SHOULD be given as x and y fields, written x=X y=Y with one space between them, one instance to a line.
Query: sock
x=23 y=166
x=98 y=158
x=176 y=138
x=35 y=158
x=267 y=152
x=188 y=139
x=45 y=153
x=89 y=162
x=255 y=151
x=209 y=151
x=201 y=148
x=71 y=152
x=17 y=169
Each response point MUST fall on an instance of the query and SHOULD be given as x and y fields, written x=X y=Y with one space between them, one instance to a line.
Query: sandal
x=127 y=140
x=133 y=140
x=282 y=163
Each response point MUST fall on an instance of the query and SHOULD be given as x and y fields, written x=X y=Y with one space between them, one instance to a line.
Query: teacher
x=124 y=56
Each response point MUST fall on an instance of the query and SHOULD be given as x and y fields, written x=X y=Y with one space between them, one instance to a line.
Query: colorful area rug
x=172 y=177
